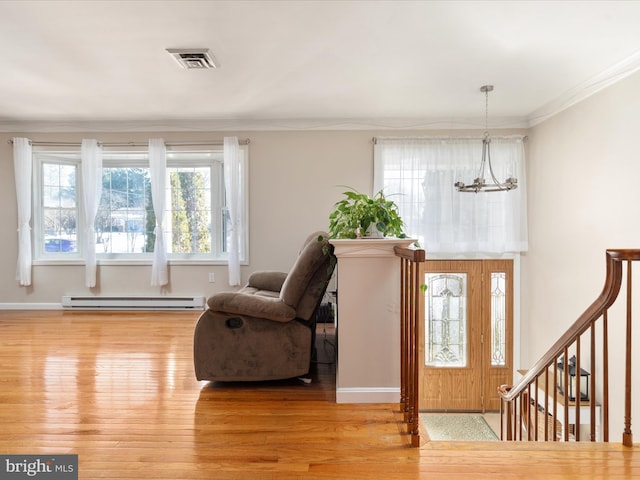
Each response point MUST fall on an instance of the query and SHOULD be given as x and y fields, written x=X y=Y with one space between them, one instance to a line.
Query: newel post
x=627 y=436
x=412 y=313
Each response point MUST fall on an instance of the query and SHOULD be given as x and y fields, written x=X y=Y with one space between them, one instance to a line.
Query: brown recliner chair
x=266 y=330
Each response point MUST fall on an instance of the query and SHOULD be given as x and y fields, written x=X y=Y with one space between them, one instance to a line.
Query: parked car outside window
x=57 y=245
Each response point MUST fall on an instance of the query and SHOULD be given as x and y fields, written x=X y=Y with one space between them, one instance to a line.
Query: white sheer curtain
x=91 y=155
x=234 y=194
x=23 y=167
x=423 y=172
x=158 y=172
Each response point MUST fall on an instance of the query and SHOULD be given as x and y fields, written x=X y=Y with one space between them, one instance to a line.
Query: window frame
x=40 y=257
x=217 y=204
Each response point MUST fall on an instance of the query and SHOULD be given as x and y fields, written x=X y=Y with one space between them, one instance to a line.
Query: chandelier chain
x=486 y=89
x=486 y=111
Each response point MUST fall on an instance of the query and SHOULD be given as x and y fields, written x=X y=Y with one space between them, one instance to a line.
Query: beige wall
x=293 y=185
x=584 y=197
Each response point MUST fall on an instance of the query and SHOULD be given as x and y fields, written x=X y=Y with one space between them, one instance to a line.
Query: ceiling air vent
x=198 y=58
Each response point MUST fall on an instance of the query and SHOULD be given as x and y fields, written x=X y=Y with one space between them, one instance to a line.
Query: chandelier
x=480 y=184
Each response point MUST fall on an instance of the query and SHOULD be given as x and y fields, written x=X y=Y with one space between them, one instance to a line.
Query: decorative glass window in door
x=498 y=319
x=446 y=322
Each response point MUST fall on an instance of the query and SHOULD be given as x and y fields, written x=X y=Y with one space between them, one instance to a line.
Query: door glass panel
x=446 y=322
x=498 y=319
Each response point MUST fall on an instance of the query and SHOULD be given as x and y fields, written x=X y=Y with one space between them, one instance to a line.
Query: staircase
x=555 y=400
x=552 y=395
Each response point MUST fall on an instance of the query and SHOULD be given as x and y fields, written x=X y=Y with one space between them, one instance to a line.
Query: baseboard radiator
x=133 y=303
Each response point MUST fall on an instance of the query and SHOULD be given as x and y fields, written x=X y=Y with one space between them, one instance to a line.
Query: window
x=422 y=173
x=124 y=224
x=56 y=205
x=446 y=320
x=195 y=220
x=189 y=194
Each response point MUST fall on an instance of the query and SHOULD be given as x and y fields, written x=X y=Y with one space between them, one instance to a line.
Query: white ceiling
x=102 y=65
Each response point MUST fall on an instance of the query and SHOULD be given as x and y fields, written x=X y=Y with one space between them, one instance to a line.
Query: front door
x=467 y=348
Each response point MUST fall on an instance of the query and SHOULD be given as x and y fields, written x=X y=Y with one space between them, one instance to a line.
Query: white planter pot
x=373 y=232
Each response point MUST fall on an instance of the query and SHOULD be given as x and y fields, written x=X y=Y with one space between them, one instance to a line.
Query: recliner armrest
x=267 y=280
x=252 y=306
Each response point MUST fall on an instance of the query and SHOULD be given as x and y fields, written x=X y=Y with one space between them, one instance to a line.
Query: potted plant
x=359 y=215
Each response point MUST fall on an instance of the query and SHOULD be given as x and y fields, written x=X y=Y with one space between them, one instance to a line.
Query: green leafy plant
x=353 y=216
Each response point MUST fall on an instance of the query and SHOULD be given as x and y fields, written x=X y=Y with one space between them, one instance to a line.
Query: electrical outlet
x=212 y=277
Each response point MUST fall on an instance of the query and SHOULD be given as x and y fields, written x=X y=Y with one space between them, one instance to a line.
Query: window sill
x=128 y=262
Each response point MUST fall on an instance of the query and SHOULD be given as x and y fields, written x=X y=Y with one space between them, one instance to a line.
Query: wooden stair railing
x=411 y=318
x=534 y=409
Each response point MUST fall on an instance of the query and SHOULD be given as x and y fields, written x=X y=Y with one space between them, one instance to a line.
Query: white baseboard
x=368 y=395
x=128 y=302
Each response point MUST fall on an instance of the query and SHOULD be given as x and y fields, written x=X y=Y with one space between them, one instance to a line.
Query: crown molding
x=308 y=124
x=581 y=92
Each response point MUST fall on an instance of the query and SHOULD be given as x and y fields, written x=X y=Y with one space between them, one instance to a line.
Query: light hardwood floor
x=118 y=389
